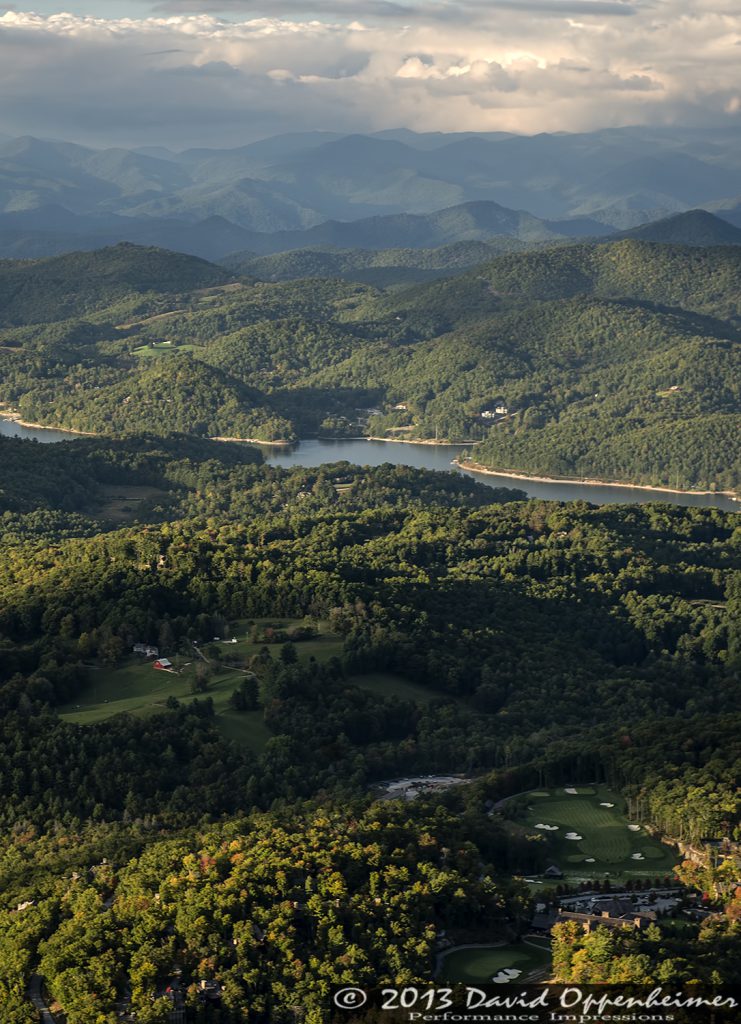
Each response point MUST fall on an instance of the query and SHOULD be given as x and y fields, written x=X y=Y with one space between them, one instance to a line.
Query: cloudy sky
x=224 y=72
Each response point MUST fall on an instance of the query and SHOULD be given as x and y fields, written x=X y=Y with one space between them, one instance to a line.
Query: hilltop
x=379 y=267
x=81 y=283
x=695 y=227
x=704 y=280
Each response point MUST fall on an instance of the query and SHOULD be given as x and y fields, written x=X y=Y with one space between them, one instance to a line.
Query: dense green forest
x=398 y=621
x=378 y=267
x=613 y=361
x=650 y=956
x=77 y=284
x=221 y=824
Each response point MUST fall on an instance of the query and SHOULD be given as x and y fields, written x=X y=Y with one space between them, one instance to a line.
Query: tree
x=250 y=691
x=201 y=678
x=288 y=653
x=166 y=637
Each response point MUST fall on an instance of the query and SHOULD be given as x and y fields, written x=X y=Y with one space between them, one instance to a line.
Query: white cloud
x=185 y=78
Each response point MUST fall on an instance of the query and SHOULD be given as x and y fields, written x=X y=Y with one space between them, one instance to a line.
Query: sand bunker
x=505 y=975
x=634 y=828
x=589 y=860
x=570 y=789
x=636 y=856
x=573 y=835
x=604 y=804
x=547 y=828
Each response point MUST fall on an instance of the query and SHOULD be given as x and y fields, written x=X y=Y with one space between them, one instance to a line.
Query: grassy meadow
x=135 y=687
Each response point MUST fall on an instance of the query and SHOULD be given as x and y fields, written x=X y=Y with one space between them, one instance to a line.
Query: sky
x=224 y=72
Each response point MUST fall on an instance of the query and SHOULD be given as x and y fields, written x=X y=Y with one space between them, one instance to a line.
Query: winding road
x=36 y=995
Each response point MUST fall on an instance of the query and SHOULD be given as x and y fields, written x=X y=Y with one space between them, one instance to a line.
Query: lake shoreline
x=476 y=467
x=411 y=440
x=468 y=465
x=15 y=417
x=253 y=440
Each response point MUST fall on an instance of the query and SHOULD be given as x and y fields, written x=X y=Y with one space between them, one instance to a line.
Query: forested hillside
x=616 y=362
x=380 y=267
x=696 y=227
x=703 y=280
x=78 y=284
x=265 y=731
x=396 y=622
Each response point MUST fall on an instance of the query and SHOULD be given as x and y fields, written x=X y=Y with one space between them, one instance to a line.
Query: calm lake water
x=428 y=456
x=440 y=456
x=9 y=428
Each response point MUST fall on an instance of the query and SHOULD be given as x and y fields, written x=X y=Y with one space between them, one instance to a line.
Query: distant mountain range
x=53 y=230
x=467 y=222
x=405 y=264
x=201 y=200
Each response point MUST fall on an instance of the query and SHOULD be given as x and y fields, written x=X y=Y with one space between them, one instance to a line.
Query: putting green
x=478 y=964
x=601 y=840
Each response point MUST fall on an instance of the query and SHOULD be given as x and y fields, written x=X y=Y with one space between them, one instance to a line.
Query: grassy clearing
x=478 y=965
x=606 y=843
x=153 y=350
x=245 y=727
x=121 y=502
x=136 y=688
x=324 y=646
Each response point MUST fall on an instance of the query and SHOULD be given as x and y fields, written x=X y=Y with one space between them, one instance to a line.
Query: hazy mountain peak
x=695 y=227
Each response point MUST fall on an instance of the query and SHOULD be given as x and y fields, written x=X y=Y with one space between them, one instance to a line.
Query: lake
x=47 y=435
x=427 y=456
x=440 y=456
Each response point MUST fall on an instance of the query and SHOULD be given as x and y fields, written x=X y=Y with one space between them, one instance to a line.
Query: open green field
x=161 y=348
x=136 y=688
x=322 y=647
x=602 y=840
x=121 y=502
x=475 y=965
